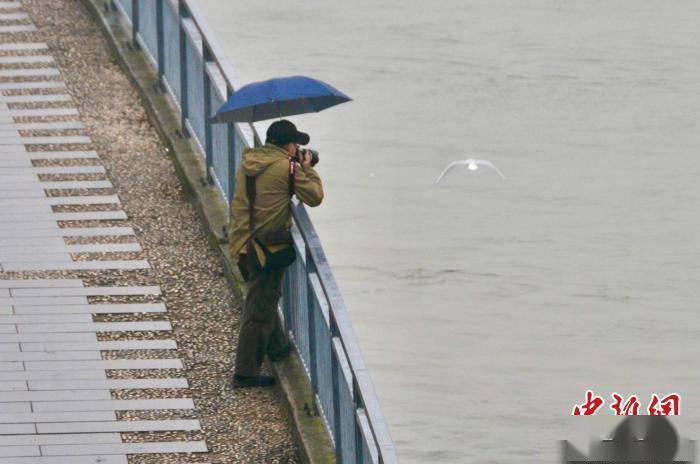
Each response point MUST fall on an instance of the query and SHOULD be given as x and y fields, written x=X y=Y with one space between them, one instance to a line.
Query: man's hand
x=306 y=159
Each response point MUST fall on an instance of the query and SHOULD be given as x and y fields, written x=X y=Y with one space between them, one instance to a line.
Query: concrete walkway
x=56 y=404
x=77 y=372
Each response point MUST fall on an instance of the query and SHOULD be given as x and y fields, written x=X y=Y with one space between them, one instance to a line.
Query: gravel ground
x=239 y=426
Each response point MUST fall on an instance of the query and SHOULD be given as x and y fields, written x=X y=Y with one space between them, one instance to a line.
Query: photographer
x=260 y=237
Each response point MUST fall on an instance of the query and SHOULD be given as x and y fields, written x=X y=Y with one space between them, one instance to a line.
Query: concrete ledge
x=295 y=391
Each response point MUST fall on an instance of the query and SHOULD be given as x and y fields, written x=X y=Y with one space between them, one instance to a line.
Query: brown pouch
x=275 y=237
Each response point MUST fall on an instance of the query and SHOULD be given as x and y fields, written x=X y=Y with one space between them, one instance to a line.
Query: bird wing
x=450 y=166
x=491 y=165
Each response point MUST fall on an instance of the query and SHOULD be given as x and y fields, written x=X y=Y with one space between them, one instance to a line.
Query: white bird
x=472 y=164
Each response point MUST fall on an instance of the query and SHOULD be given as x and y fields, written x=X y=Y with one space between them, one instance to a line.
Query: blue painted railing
x=195 y=73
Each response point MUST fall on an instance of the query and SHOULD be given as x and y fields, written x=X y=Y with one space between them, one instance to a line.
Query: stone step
x=18 y=28
x=87 y=291
x=52 y=140
x=146 y=326
x=93 y=374
x=39 y=112
x=118 y=364
x=60 y=396
x=50 y=97
x=100 y=345
x=54 y=170
x=38 y=126
x=13 y=16
x=108 y=404
x=60 y=439
x=41 y=283
x=56 y=185
x=101 y=308
x=9 y=46
x=110 y=384
x=35 y=417
x=25 y=59
x=28 y=72
x=35 y=218
x=32 y=85
x=73 y=266
x=99 y=459
x=119 y=426
x=127 y=448
x=64 y=232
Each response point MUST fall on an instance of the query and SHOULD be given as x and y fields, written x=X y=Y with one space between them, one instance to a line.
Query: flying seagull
x=472 y=164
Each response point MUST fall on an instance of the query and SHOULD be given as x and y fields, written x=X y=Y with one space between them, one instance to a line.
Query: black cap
x=283 y=132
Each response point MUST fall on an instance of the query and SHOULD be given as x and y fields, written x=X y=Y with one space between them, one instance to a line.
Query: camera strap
x=250 y=193
x=292 y=177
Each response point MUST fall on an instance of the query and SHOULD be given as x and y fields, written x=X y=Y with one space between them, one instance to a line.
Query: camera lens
x=314 y=157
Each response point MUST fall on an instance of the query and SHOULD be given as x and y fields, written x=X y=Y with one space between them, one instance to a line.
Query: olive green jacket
x=270 y=166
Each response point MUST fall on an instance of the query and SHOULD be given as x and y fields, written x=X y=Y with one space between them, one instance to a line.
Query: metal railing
x=195 y=73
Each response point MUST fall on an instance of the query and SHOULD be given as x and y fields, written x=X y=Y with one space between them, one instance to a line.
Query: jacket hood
x=256 y=160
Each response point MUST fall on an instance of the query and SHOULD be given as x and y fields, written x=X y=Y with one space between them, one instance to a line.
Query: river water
x=485 y=308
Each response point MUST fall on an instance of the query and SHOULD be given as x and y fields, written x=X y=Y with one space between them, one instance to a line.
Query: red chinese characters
x=590 y=407
x=630 y=408
x=669 y=405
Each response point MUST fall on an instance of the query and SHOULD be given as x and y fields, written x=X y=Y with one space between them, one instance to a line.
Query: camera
x=302 y=151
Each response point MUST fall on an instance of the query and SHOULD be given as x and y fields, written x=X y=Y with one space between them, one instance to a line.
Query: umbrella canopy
x=275 y=98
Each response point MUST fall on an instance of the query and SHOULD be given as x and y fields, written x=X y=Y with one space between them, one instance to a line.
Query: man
x=261 y=332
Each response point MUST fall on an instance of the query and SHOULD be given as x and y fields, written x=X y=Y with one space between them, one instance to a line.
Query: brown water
x=485 y=308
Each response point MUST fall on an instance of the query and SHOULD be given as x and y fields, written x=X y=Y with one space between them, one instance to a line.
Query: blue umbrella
x=275 y=98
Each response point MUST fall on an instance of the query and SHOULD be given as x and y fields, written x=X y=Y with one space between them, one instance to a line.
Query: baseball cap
x=283 y=132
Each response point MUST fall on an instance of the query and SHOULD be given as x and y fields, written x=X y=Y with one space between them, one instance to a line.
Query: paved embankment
x=117 y=327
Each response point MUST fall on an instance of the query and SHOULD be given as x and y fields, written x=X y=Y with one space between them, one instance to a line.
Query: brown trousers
x=261 y=331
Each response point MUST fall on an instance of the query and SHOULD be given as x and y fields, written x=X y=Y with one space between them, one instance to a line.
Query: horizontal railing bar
x=319 y=296
x=171 y=94
x=144 y=48
x=192 y=33
x=124 y=16
x=339 y=351
x=195 y=137
x=217 y=79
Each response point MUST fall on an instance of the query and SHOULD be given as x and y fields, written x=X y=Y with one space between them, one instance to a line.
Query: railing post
x=135 y=24
x=359 y=445
x=184 y=107
x=286 y=299
x=231 y=146
x=335 y=374
x=256 y=138
x=208 y=141
x=161 y=43
x=312 y=315
x=357 y=438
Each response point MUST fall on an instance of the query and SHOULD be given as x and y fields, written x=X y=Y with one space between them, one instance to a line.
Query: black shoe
x=281 y=354
x=240 y=381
